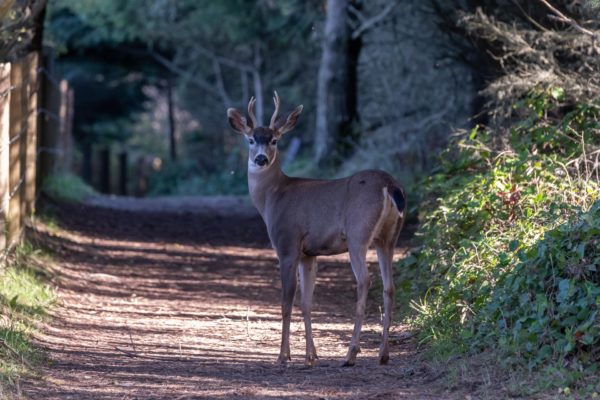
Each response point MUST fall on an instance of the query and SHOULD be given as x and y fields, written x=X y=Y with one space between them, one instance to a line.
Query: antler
x=251 y=112
x=277 y=102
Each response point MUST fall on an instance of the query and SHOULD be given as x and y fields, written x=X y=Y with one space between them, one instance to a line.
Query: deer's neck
x=265 y=183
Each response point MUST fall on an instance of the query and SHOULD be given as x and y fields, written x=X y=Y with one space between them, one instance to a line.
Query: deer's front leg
x=308 y=275
x=288 y=269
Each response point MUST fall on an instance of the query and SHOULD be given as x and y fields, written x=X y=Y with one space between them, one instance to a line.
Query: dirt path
x=185 y=305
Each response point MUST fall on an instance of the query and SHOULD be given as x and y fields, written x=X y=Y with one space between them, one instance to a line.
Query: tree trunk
x=123 y=164
x=4 y=153
x=50 y=122
x=15 y=172
x=38 y=26
x=332 y=102
x=32 y=134
x=171 y=116
x=257 y=83
x=87 y=168
x=105 y=170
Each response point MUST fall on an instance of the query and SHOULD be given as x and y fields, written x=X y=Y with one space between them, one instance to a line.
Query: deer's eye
x=273 y=142
x=251 y=141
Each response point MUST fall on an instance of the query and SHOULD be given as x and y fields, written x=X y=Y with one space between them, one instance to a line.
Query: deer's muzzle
x=261 y=160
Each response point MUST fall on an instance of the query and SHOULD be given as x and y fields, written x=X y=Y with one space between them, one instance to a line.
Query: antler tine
x=277 y=102
x=251 y=112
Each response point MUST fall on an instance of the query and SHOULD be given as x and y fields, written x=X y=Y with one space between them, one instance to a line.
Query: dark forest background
x=487 y=111
x=384 y=83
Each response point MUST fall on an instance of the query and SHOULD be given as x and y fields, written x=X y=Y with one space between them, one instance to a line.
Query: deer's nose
x=261 y=160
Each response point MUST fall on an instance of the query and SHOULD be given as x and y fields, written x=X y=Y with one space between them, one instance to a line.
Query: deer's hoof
x=384 y=353
x=383 y=359
x=311 y=360
x=283 y=359
x=351 y=357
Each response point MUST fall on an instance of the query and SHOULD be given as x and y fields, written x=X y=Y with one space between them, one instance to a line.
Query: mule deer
x=306 y=218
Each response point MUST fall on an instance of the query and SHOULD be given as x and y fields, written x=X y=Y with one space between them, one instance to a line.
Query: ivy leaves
x=509 y=248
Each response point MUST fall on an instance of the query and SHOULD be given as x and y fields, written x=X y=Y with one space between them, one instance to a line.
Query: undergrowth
x=25 y=298
x=186 y=178
x=507 y=258
x=66 y=186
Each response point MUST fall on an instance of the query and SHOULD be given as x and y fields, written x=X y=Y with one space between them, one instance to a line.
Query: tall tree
x=332 y=80
x=337 y=78
x=171 y=117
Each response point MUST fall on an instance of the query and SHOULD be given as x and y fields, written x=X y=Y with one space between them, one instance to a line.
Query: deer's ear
x=238 y=122
x=290 y=121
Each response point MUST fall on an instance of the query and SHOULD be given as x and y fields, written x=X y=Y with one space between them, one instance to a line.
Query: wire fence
x=36 y=111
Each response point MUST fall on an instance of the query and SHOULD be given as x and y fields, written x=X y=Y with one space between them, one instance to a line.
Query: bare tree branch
x=218 y=88
x=528 y=17
x=257 y=82
x=244 y=82
x=223 y=60
x=356 y=13
x=221 y=84
x=171 y=66
x=563 y=18
x=530 y=59
x=371 y=22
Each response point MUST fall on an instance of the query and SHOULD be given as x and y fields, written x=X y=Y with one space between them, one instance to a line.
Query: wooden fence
x=35 y=138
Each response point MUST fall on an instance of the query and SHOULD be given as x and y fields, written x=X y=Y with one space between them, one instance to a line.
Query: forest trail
x=182 y=302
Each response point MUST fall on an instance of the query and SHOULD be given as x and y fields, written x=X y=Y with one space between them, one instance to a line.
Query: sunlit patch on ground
x=195 y=314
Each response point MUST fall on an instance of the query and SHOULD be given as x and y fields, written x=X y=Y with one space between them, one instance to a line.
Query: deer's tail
x=398 y=196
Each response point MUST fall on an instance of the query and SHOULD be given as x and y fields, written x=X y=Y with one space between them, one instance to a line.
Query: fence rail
x=36 y=111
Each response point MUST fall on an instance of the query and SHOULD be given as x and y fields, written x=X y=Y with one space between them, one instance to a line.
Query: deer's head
x=262 y=140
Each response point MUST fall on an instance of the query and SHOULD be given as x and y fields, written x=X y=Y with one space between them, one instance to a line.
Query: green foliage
x=508 y=250
x=188 y=178
x=162 y=24
x=24 y=300
x=67 y=187
x=546 y=307
x=17 y=27
x=593 y=4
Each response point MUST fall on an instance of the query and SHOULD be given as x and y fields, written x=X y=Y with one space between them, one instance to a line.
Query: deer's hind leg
x=385 y=253
x=308 y=275
x=358 y=260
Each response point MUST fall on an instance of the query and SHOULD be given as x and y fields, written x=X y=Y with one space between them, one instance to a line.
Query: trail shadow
x=183 y=227
x=187 y=306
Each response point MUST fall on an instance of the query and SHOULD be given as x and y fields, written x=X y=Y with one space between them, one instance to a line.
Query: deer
x=306 y=218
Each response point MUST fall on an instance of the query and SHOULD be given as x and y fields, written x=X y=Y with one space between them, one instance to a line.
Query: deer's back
x=323 y=215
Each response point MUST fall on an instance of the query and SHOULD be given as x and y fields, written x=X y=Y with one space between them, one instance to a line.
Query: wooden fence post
x=32 y=133
x=69 y=145
x=24 y=135
x=50 y=131
x=87 y=163
x=65 y=140
x=105 y=170
x=4 y=145
x=123 y=164
x=17 y=128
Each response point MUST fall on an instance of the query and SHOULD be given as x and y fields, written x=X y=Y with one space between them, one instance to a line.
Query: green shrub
x=505 y=219
x=187 y=178
x=546 y=307
x=66 y=186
